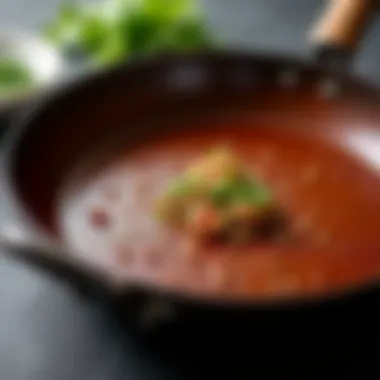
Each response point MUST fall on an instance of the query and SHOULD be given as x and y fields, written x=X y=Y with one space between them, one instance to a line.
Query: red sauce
x=330 y=196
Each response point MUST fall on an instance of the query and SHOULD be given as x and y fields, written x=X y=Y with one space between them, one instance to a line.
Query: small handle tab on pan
x=56 y=260
x=338 y=32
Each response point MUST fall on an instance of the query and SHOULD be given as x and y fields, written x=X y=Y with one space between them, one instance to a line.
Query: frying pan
x=54 y=136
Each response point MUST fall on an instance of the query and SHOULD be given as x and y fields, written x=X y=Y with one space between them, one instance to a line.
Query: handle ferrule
x=339 y=31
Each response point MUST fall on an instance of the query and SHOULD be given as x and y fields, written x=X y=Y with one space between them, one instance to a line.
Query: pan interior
x=108 y=157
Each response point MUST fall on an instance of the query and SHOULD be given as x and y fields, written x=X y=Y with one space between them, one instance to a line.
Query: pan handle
x=43 y=253
x=145 y=305
x=338 y=32
x=51 y=259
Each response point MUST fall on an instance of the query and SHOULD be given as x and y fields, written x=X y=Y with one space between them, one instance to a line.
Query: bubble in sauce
x=99 y=218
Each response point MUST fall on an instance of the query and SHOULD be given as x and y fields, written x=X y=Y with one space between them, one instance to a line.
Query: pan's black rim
x=24 y=122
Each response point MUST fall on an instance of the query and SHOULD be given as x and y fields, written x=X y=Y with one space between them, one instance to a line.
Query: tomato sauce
x=331 y=197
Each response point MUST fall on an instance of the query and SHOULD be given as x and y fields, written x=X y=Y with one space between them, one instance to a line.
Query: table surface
x=49 y=333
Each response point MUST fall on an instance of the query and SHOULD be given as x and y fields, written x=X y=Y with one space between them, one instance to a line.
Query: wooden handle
x=343 y=23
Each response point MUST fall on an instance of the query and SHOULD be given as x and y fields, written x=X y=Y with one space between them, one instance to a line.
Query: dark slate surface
x=49 y=333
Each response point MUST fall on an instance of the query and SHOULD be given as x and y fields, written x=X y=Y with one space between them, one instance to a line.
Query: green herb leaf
x=14 y=77
x=68 y=18
x=238 y=191
x=118 y=29
x=169 y=10
x=222 y=194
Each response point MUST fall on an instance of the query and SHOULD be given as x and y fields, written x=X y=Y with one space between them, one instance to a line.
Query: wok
x=51 y=139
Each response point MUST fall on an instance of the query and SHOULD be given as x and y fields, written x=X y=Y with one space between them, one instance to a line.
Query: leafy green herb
x=14 y=77
x=241 y=190
x=216 y=198
x=118 y=29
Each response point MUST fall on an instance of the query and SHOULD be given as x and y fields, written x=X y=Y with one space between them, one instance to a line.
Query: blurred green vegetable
x=15 y=77
x=115 y=30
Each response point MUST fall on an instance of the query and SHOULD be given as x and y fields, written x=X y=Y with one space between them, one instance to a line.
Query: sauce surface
x=331 y=197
